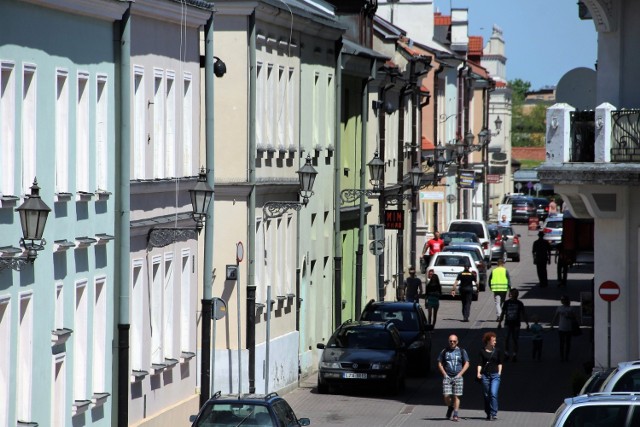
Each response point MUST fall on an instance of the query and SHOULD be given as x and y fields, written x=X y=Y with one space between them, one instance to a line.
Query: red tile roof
x=475 y=45
x=439 y=19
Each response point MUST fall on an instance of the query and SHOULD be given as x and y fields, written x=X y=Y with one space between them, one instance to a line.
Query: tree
x=519 y=90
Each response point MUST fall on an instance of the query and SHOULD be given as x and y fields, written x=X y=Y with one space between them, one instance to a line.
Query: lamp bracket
x=159 y=237
x=350 y=195
x=14 y=263
x=277 y=209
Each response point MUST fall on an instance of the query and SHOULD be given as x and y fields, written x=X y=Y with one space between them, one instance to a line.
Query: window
x=139 y=125
x=156 y=311
x=315 y=111
x=187 y=127
x=29 y=125
x=24 y=371
x=330 y=110
x=167 y=314
x=58 y=388
x=185 y=302
x=260 y=104
x=82 y=134
x=7 y=128
x=170 y=140
x=80 y=345
x=260 y=260
x=62 y=132
x=291 y=109
x=58 y=321
x=137 y=300
x=102 y=117
x=99 y=332
x=158 y=125
x=269 y=106
x=280 y=104
x=5 y=367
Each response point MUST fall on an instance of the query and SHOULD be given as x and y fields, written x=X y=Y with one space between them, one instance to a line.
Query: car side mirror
x=320 y=346
x=192 y=418
x=304 y=421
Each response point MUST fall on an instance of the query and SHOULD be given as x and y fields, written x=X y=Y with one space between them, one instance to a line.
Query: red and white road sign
x=609 y=291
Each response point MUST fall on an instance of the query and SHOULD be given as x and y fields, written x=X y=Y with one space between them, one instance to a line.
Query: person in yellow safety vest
x=500 y=283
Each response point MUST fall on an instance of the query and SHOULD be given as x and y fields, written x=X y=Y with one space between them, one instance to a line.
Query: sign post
x=609 y=291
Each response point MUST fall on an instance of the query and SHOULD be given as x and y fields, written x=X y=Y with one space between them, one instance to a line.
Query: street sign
x=609 y=291
x=239 y=251
x=518 y=186
x=466 y=178
x=494 y=178
x=394 y=219
x=219 y=308
x=451 y=198
x=376 y=247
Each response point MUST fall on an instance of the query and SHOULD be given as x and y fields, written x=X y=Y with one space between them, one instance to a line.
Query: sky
x=544 y=39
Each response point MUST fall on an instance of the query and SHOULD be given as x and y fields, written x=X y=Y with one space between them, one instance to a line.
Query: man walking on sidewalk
x=453 y=362
x=513 y=313
x=500 y=283
x=541 y=257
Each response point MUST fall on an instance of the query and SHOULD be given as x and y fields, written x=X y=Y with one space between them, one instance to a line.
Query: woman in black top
x=433 y=291
x=489 y=371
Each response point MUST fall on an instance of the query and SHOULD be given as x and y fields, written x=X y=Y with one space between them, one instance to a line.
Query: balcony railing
x=625 y=136
x=583 y=136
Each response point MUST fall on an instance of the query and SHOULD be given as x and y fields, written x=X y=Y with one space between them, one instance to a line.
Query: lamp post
x=33 y=217
x=307 y=176
x=484 y=138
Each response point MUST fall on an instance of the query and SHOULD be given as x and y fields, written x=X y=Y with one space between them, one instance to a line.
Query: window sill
x=103 y=195
x=7 y=201
x=62 y=245
x=185 y=356
x=60 y=336
x=80 y=406
x=83 y=196
x=157 y=368
x=138 y=375
x=99 y=399
x=26 y=424
x=63 y=197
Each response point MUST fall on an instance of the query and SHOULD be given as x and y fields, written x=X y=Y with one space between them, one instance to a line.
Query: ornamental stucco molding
x=602 y=14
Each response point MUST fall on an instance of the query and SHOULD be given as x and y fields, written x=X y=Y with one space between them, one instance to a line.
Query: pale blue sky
x=543 y=38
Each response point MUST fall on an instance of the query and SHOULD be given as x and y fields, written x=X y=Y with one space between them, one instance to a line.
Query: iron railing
x=583 y=137
x=625 y=136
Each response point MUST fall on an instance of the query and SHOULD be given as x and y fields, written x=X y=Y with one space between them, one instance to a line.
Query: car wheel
x=322 y=387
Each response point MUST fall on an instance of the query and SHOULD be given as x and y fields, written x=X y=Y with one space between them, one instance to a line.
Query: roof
x=478 y=70
x=475 y=45
x=440 y=19
x=355 y=49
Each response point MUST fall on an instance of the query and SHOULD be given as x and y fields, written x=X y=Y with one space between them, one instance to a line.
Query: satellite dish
x=578 y=89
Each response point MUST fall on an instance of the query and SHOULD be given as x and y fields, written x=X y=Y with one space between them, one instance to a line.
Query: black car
x=262 y=410
x=522 y=208
x=363 y=353
x=412 y=324
x=542 y=207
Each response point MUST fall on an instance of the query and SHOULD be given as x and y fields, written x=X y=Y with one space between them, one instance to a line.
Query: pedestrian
x=562 y=265
x=430 y=248
x=541 y=257
x=500 y=283
x=553 y=207
x=565 y=316
x=513 y=313
x=453 y=362
x=465 y=280
x=412 y=286
x=489 y=372
x=433 y=291
x=504 y=222
x=536 y=338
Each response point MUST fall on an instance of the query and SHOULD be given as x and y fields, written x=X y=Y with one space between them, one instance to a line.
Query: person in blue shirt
x=453 y=361
x=504 y=222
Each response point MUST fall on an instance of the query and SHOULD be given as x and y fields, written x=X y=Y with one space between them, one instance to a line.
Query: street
x=530 y=391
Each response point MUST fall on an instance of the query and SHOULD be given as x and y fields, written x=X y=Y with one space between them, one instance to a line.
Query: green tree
x=519 y=90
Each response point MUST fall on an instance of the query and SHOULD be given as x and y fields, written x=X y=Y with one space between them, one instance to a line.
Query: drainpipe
x=436 y=87
x=400 y=245
x=207 y=279
x=414 y=160
x=122 y=221
x=337 y=234
x=251 y=226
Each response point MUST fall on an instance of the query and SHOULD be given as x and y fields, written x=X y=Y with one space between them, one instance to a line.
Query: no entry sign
x=609 y=291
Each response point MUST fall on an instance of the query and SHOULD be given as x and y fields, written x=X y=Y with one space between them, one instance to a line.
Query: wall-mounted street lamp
x=33 y=217
x=307 y=176
x=201 y=196
x=376 y=173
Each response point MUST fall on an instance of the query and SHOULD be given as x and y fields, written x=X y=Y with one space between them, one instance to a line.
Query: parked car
x=476 y=253
x=412 y=324
x=552 y=229
x=498 y=250
x=477 y=226
x=542 y=207
x=599 y=409
x=456 y=237
x=268 y=410
x=511 y=243
x=522 y=208
x=595 y=381
x=625 y=377
x=363 y=353
x=447 y=265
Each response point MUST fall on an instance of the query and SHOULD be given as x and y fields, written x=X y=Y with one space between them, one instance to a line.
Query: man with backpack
x=513 y=313
x=453 y=361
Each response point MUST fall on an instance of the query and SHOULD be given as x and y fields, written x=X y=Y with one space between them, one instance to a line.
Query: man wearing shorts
x=453 y=361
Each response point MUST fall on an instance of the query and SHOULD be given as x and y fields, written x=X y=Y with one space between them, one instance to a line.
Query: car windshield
x=375 y=339
x=225 y=414
x=452 y=261
x=450 y=238
x=405 y=320
x=506 y=230
x=493 y=232
x=468 y=226
x=470 y=251
x=554 y=224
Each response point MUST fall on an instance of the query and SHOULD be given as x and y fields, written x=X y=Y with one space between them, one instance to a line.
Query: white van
x=477 y=226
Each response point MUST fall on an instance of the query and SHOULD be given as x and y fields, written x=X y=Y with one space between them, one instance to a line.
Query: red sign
x=494 y=178
x=533 y=223
x=609 y=291
x=394 y=220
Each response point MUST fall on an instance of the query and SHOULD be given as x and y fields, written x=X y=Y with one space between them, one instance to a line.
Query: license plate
x=354 y=375
x=450 y=274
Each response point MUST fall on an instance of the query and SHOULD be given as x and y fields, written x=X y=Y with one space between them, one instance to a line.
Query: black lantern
x=307 y=176
x=376 y=170
x=482 y=136
x=416 y=176
x=201 y=196
x=33 y=217
x=498 y=124
x=468 y=139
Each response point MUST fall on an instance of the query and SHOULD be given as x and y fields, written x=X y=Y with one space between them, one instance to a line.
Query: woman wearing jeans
x=489 y=371
x=564 y=315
